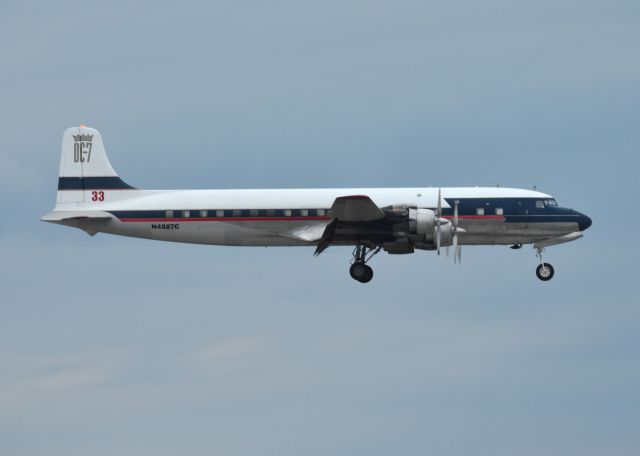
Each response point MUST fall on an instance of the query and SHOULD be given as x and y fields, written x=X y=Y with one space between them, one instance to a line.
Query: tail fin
x=84 y=166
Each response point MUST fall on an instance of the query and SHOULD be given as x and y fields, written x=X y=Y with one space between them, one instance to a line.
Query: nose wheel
x=359 y=270
x=544 y=271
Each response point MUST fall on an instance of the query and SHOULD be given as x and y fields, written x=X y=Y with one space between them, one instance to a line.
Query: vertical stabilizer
x=84 y=166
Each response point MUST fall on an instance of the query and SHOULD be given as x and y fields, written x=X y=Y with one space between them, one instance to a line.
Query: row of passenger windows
x=481 y=211
x=219 y=213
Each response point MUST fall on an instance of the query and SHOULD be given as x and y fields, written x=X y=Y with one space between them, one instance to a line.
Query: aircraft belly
x=492 y=232
x=250 y=233
x=288 y=233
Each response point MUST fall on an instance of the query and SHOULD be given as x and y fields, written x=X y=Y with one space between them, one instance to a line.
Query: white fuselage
x=297 y=217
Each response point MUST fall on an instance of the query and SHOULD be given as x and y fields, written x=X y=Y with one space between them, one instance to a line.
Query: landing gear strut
x=359 y=270
x=544 y=271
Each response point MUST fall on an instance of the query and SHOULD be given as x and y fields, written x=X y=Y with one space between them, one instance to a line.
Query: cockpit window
x=540 y=204
x=550 y=202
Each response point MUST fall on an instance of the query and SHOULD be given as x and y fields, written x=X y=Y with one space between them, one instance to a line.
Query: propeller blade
x=455 y=247
x=455 y=215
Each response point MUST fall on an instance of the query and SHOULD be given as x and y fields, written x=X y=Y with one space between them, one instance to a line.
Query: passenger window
x=304 y=212
x=499 y=211
x=480 y=211
x=169 y=214
x=185 y=214
x=253 y=212
x=219 y=213
x=287 y=212
x=203 y=213
x=271 y=212
x=320 y=212
x=540 y=204
x=237 y=212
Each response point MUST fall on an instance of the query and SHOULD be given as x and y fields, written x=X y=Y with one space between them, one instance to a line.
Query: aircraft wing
x=349 y=209
x=355 y=208
x=356 y=214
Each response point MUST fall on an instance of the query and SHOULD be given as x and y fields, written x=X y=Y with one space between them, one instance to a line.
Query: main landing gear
x=359 y=269
x=544 y=271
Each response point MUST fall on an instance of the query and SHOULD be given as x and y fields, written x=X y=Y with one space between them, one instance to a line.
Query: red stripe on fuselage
x=277 y=219
x=224 y=219
x=476 y=217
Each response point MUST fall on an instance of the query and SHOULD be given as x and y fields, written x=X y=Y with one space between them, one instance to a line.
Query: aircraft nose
x=584 y=222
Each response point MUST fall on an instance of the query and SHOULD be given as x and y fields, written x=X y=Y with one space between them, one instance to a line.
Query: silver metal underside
x=281 y=233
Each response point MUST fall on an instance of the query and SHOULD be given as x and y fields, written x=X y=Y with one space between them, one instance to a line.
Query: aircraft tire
x=544 y=272
x=361 y=272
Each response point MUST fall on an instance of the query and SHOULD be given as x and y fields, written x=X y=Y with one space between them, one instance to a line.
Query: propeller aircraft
x=92 y=197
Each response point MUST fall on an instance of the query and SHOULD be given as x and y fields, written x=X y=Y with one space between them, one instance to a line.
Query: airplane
x=92 y=197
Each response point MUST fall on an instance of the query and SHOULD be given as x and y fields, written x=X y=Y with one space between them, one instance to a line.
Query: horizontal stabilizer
x=63 y=216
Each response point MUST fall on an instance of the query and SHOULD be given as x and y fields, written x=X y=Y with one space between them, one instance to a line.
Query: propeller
x=457 y=248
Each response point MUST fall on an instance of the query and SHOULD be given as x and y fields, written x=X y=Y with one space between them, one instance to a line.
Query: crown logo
x=78 y=138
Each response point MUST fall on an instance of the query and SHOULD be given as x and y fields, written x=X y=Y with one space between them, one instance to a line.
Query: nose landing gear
x=544 y=271
x=359 y=270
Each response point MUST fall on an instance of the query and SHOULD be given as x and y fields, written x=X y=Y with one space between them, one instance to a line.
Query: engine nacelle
x=422 y=221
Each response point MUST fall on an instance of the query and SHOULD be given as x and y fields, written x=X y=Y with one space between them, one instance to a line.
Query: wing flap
x=327 y=237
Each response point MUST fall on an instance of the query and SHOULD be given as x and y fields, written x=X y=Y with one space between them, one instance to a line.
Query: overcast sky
x=121 y=346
